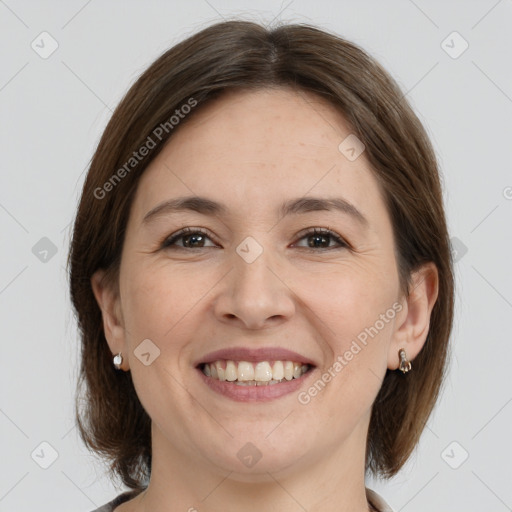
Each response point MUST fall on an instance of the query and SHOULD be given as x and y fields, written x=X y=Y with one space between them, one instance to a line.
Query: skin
x=252 y=151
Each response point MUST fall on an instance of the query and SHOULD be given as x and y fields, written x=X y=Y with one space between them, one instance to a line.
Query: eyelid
x=166 y=242
x=169 y=241
x=324 y=231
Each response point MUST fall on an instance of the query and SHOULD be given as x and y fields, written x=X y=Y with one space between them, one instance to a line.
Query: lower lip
x=254 y=393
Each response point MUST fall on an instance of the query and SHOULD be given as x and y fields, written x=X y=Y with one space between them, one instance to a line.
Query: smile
x=258 y=381
x=263 y=373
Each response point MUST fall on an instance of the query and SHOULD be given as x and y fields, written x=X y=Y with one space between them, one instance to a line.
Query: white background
x=53 y=111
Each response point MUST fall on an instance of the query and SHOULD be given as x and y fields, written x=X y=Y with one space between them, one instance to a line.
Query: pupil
x=318 y=238
x=190 y=239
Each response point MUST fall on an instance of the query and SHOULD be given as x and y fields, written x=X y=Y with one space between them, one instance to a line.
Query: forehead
x=257 y=118
x=260 y=146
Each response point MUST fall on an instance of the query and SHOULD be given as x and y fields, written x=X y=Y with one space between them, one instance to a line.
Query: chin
x=250 y=457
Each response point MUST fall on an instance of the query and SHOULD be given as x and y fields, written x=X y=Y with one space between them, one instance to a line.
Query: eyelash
x=170 y=241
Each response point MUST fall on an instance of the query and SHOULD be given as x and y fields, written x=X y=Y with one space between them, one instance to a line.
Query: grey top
x=375 y=499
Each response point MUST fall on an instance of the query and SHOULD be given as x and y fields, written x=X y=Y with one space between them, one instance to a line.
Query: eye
x=321 y=239
x=190 y=237
x=195 y=238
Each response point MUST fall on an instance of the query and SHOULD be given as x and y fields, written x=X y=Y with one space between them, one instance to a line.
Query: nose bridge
x=253 y=292
x=251 y=267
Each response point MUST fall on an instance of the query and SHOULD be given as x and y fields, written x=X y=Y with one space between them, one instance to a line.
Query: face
x=245 y=278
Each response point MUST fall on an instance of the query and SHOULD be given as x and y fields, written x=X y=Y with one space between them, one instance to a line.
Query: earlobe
x=108 y=302
x=412 y=328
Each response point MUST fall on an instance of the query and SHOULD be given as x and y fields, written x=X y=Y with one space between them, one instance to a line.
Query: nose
x=255 y=295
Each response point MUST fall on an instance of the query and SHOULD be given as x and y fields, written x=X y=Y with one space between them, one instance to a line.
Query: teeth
x=244 y=373
x=221 y=373
x=288 y=370
x=263 y=372
x=257 y=383
x=231 y=373
x=278 y=370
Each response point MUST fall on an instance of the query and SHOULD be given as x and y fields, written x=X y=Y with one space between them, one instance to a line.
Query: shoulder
x=118 y=500
x=377 y=501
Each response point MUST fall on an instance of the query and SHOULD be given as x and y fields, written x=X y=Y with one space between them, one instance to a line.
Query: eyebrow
x=301 y=205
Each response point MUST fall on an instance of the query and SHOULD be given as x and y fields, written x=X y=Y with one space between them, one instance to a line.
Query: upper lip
x=254 y=355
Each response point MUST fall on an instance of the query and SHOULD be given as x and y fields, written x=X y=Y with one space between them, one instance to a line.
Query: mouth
x=254 y=375
x=261 y=373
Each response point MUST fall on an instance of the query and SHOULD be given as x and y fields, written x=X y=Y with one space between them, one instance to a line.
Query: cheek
x=354 y=319
x=158 y=298
x=354 y=311
x=348 y=300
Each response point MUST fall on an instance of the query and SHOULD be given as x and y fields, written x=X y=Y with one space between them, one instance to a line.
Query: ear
x=413 y=322
x=113 y=323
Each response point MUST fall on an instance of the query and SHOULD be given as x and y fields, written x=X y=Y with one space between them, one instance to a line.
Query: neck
x=329 y=482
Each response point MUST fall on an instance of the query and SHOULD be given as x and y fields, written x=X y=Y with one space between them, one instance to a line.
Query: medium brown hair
x=244 y=55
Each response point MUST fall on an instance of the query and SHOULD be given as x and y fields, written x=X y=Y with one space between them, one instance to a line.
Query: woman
x=261 y=272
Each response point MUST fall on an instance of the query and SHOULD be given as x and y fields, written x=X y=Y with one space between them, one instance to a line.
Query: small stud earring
x=118 y=361
x=405 y=364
